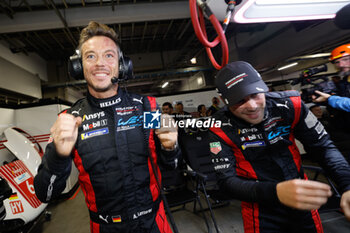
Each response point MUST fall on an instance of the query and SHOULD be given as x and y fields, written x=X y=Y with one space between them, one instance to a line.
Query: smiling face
x=101 y=63
x=250 y=109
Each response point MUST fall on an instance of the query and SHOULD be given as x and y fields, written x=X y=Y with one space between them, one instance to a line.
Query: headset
x=75 y=68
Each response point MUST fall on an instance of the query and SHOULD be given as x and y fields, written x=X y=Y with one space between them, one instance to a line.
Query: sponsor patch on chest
x=253 y=144
x=215 y=147
x=129 y=123
x=94 y=133
x=95 y=124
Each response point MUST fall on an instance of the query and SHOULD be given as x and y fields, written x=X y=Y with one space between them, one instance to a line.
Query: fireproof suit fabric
x=112 y=154
x=251 y=159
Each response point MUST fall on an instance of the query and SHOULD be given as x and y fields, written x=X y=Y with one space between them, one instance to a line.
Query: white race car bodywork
x=19 y=172
x=19 y=165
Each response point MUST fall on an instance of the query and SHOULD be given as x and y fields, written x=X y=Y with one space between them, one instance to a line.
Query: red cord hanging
x=199 y=28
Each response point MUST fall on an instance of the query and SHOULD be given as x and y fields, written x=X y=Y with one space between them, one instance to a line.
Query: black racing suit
x=251 y=159
x=112 y=154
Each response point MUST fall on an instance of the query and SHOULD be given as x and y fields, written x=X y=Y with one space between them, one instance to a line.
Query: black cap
x=237 y=80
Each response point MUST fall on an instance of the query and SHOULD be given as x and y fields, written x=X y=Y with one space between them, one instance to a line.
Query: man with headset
x=103 y=134
x=256 y=158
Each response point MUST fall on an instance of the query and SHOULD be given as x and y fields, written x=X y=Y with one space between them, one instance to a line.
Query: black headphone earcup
x=125 y=68
x=75 y=67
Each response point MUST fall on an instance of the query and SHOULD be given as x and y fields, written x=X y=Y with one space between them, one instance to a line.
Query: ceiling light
x=193 y=60
x=288 y=66
x=252 y=11
x=165 y=84
x=257 y=11
x=315 y=55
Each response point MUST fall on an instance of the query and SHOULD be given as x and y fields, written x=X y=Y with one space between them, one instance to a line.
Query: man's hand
x=65 y=132
x=322 y=97
x=167 y=134
x=303 y=194
x=345 y=204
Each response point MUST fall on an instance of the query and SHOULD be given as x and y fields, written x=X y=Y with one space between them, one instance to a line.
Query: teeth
x=100 y=75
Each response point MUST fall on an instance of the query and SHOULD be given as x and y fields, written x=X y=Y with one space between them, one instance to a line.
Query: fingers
x=65 y=124
x=303 y=194
x=345 y=204
x=307 y=206
x=65 y=132
x=312 y=194
x=322 y=96
x=166 y=135
x=346 y=209
x=167 y=139
x=310 y=202
x=314 y=185
x=79 y=120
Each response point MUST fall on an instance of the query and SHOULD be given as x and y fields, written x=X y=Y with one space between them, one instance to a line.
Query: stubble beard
x=100 y=89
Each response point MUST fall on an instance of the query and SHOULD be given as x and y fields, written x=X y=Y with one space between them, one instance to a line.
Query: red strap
x=152 y=147
x=153 y=102
x=296 y=100
x=243 y=167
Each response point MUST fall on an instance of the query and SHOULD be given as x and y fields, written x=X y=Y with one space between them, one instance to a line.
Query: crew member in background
x=180 y=113
x=256 y=158
x=202 y=111
x=104 y=135
x=340 y=57
x=214 y=107
x=167 y=108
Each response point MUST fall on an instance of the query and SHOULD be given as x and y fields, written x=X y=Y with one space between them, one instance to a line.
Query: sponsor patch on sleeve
x=215 y=147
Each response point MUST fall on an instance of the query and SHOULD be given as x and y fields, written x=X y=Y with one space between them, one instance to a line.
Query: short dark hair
x=179 y=103
x=168 y=104
x=97 y=29
x=314 y=106
x=199 y=108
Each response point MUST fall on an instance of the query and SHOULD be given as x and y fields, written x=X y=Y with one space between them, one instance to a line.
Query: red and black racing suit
x=251 y=159
x=112 y=154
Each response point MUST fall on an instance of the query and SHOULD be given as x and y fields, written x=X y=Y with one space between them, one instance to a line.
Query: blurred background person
x=214 y=107
x=167 y=108
x=202 y=110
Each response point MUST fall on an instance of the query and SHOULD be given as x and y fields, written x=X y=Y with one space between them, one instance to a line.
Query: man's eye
x=90 y=56
x=109 y=55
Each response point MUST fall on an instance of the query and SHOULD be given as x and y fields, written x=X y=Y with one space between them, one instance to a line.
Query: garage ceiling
x=51 y=28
